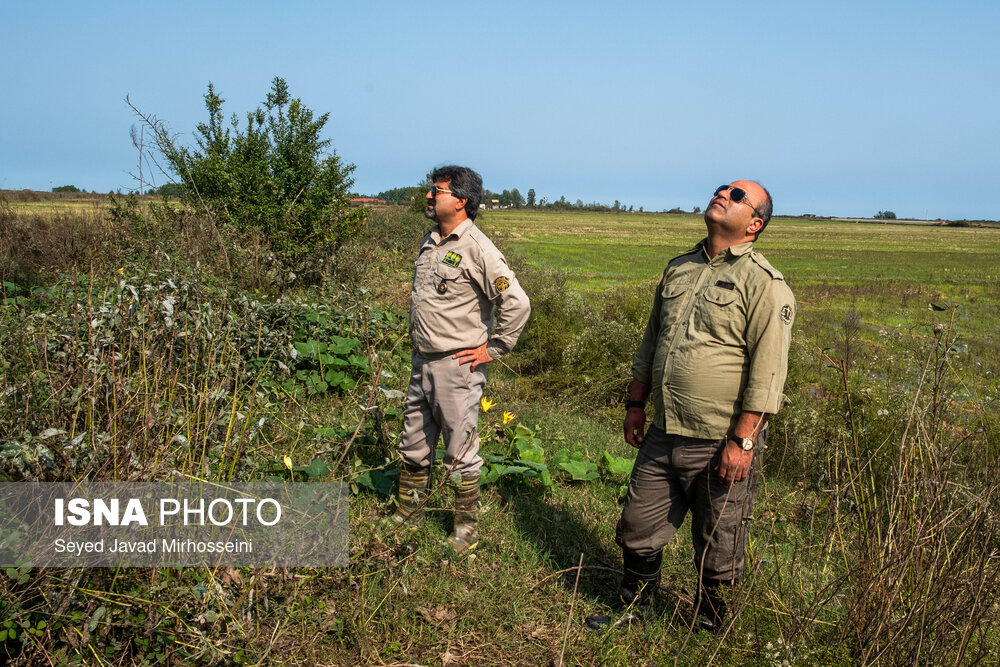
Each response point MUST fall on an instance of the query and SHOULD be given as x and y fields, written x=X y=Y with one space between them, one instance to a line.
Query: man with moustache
x=460 y=282
x=713 y=359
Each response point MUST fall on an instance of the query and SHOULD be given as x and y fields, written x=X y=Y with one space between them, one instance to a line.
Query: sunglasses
x=435 y=190
x=736 y=195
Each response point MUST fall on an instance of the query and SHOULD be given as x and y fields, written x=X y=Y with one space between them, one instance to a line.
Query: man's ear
x=462 y=203
x=755 y=226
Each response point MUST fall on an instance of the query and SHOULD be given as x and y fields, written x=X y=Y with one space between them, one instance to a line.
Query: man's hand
x=474 y=355
x=734 y=464
x=635 y=425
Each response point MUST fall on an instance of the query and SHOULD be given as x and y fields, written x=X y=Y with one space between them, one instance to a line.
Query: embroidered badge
x=501 y=283
x=786 y=314
x=725 y=285
x=452 y=258
x=442 y=287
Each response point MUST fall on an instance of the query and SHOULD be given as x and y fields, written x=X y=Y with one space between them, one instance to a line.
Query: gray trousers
x=443 y=400
x=673 y=475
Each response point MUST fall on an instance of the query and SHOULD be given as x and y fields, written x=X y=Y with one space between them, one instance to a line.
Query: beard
x=430 y=213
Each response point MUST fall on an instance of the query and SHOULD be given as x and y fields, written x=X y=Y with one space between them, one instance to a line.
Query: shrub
x=273 y=177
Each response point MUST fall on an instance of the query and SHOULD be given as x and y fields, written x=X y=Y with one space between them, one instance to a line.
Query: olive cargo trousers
x=673 y=475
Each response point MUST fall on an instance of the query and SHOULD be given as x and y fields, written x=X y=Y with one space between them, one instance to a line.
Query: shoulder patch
x=501 y=283
x=787 y=313
x=766 y=265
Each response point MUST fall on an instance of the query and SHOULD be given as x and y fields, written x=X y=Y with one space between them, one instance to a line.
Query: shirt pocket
x=446 y=282
x=672 y=299
x=720 y=315
x=423 y=274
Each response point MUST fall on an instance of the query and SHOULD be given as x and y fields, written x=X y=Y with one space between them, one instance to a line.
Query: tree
x=403 y=195
x=516 y=199
x=618 y=205
x=168 y=190
x=885 y=215
x=696 y=209
x=531 y=196
x=66 y=188
x=275 y=175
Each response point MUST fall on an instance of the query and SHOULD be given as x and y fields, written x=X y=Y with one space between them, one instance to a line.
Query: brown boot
x=412 y=496
x=465 y=536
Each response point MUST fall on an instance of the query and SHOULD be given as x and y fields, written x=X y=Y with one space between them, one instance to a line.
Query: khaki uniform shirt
x=456 y=282
x=717 y=341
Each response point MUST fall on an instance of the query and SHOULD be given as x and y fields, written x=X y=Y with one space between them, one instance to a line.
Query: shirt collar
x=731 y=251
x=458 y=232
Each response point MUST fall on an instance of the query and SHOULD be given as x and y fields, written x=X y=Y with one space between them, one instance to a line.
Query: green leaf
x=531 y=450
x=374 y=480
x=339 y=345
x=616 y=465
x=308 y=349
x=580 y=471
x=317 y=468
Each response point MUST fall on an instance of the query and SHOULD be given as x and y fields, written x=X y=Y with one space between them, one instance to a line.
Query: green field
x=602 y=250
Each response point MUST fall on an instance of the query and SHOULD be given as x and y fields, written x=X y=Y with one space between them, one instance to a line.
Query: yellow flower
x=508 y=416
x=288 y=462
x=487 y=404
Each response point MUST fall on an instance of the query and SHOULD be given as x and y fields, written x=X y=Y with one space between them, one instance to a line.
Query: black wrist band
x=635 y=404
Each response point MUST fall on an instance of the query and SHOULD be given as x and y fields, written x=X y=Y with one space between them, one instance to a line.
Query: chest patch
x=452 y=258
x=501 y=283
x=725 y=285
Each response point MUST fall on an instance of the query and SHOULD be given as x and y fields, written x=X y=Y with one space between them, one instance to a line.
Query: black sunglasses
x=737 y=195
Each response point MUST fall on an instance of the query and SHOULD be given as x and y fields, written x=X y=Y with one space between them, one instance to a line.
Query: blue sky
x=841 y=108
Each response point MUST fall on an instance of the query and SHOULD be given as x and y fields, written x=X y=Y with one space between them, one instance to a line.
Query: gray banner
x=189 y=524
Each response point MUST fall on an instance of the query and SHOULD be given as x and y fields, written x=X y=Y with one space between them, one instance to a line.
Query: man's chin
x=430 y=213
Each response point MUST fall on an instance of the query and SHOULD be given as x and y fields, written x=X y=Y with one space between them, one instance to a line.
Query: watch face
x=747 y=444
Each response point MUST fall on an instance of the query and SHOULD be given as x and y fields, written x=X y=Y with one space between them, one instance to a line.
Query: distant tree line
x=168 y=190
x=512 y=198
x=885 y=215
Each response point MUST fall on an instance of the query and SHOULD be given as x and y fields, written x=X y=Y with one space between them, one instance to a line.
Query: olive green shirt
x=457 y=281
x=717 y=341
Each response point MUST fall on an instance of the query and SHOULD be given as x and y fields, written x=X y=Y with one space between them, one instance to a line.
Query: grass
x=875 y=537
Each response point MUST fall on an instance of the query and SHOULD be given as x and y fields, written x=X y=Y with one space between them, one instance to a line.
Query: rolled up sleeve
x=769 y=334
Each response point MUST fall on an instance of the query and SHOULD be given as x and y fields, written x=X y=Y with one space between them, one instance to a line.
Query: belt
x=434 y=356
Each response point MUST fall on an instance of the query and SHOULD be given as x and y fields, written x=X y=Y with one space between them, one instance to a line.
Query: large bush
x=274 y=176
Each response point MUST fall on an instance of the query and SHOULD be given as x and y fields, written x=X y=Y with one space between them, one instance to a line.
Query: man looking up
x=713 y=359
x=459 y=278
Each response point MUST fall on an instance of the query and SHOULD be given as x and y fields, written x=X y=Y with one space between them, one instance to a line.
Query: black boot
x=639 y=583
x=710 y=607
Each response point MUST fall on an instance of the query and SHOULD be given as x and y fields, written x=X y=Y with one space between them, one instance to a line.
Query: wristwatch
x=635 y=404
x=746 y=444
